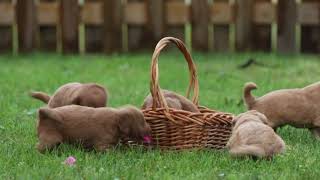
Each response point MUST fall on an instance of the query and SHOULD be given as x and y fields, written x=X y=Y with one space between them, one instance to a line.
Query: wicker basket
x=179 y=129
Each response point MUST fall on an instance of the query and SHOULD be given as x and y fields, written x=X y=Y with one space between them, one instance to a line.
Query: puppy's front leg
x=102 y=147
x=48 y=141
x=103 y=144
x=315 y=132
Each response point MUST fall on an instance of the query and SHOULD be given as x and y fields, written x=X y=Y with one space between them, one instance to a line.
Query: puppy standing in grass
x=297 y=107
x=98 y=128
x=252 y=137
x=174 y=100
x=90 y=94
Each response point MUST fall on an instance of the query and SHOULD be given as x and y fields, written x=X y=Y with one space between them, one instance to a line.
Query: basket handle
x=155 y=89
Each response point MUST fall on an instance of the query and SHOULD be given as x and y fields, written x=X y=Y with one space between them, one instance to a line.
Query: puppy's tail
x=247 y=96
x=40 y=96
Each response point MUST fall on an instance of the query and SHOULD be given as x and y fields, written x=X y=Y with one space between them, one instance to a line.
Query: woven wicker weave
x=179 y=129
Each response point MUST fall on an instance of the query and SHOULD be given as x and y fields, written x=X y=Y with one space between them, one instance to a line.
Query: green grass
x=127 y=80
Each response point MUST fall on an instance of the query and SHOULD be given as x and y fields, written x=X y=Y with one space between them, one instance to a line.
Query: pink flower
x=70 y=161
x=147 y=139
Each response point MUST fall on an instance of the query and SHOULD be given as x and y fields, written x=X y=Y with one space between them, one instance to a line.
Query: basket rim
x=182 y=117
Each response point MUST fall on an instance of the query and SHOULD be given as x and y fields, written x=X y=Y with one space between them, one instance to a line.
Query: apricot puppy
x=93 y=128
x=174 y=100
x=252 y=137
x=90 y=94
x=297 y=107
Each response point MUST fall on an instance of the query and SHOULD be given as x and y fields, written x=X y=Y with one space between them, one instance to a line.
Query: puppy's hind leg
x=248 y=150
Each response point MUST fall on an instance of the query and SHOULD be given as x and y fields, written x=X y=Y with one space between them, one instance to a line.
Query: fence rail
x=74 y=26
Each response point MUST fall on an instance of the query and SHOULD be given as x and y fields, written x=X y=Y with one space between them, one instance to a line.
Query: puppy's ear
x=263 y=118
x=129 y=120
x=234 y=121
x=40 y=96
x=47 y=113
x=124 y=120
x=124 y=124
x=77 y=101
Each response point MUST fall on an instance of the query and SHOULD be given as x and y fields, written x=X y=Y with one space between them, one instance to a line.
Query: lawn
x=127 y=80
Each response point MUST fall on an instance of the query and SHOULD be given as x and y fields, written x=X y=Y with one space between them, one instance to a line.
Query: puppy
x=252 y=137
x=90 y=94
x=93 y=128
x=174 y=100
x=296 y=107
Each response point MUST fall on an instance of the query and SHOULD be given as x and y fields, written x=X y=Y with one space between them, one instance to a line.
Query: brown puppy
x=98 y=128
x=296 y=107
x=251 y=136
x=90 y=94
x=174 y=100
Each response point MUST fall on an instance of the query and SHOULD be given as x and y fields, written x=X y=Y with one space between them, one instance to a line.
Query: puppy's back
x=81 y=122
x=65 y=95
x=174 y=100
x=185 y=102
x=92 y=95
x=72 y=113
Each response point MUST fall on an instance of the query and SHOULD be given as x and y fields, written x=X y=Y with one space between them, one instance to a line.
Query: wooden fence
x=73 y=26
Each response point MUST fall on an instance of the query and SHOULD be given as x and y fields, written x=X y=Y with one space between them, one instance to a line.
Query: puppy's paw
x=41 y=148
x=102 y=147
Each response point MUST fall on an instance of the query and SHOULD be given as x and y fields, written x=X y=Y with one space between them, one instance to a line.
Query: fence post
x=26 y=22
x=69 y=26
x=156 y=20
x=176 y=17
x=221 y=31
x=199 y=21
x=244 y=24
x=286 y=26
x=113 y=26
x=48 y=18
x=261 y=31
x=310 y=32
x=6 y=25
x=93 y=30
x=137 y=31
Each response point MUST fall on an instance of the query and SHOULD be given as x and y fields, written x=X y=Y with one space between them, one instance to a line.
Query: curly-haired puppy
x=89 y=94
x=174 y=100
x=297 y=107
x=252 y=137
x=93 y=128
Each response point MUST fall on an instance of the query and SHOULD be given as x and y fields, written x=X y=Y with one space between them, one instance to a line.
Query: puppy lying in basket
x=174 y=100
x=93 y=128
x=251 y=136
x=297 y=107
x=90 y=94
